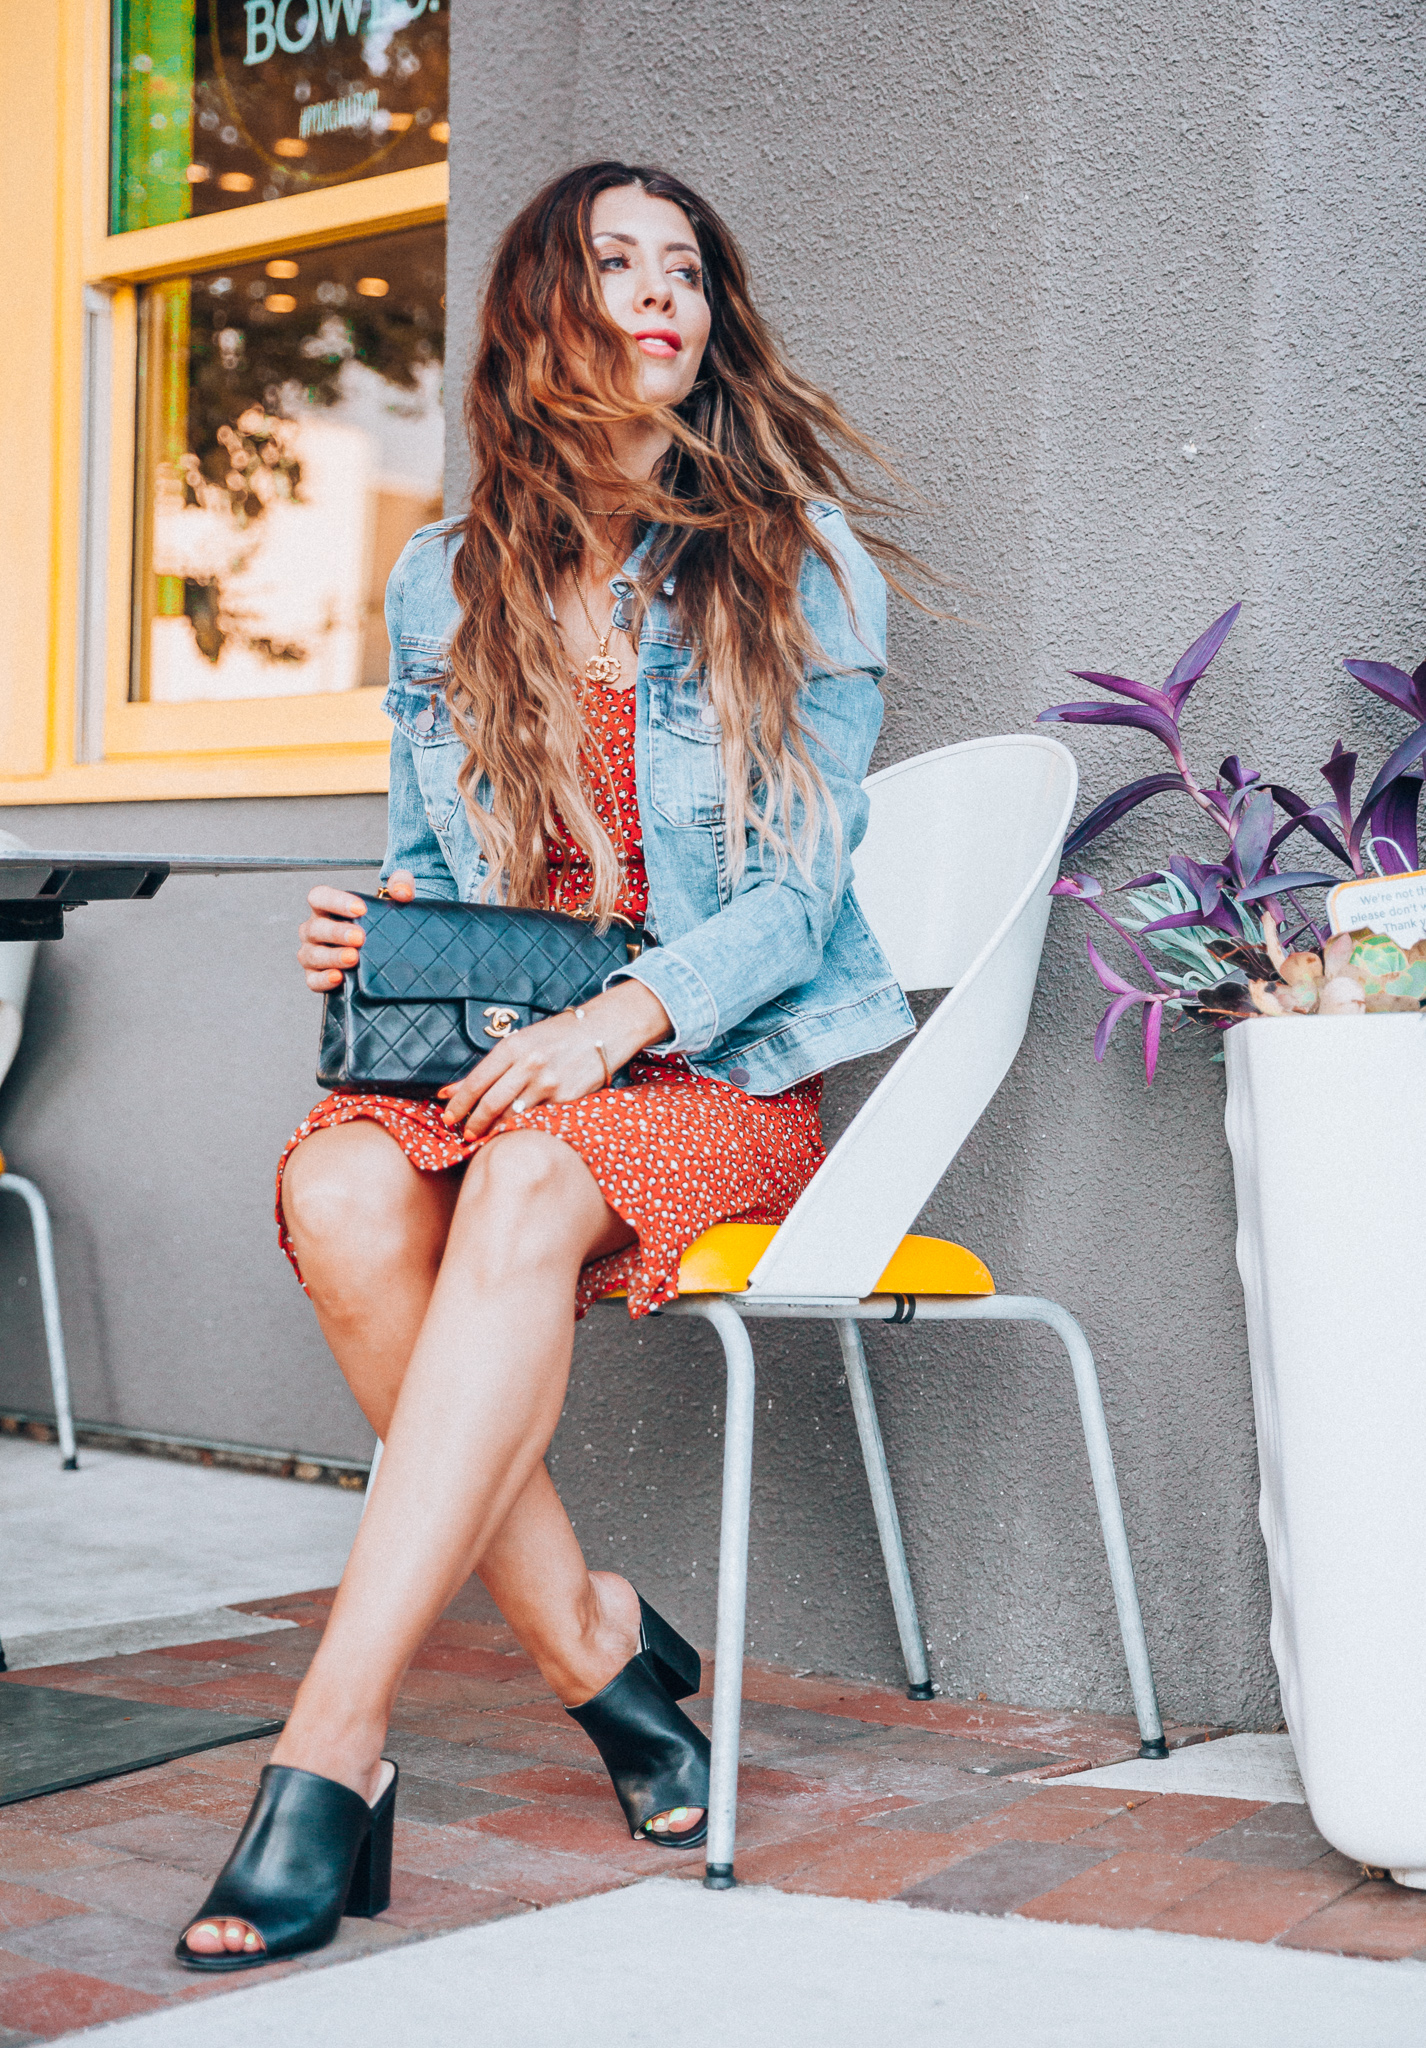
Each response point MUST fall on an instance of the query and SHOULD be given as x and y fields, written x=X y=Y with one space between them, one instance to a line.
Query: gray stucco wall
x=169 y=1052
x=1043 y=254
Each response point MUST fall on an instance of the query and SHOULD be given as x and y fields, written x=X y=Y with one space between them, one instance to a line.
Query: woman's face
x=647 y=255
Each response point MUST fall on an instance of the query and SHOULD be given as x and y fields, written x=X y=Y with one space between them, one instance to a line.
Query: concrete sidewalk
x=957 y=1872
x=94 y=1558
x=672 y=1966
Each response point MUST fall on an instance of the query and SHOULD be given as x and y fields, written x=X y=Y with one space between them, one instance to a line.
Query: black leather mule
x=310 y=1851
x=656 y=1757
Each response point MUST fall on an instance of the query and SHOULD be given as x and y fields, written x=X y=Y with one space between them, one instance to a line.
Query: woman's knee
x=527 y=1191
x=351 y=1186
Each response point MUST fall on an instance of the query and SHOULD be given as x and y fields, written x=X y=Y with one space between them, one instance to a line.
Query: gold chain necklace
x=602 y=669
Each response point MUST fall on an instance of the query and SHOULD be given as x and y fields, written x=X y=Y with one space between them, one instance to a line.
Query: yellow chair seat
x=721 y=1260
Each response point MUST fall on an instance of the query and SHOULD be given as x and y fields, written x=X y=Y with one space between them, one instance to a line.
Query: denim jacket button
x=708 y=715
x=739 y=1076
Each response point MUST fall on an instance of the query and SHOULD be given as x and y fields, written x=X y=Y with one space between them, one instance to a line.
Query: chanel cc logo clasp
x=502 y=1022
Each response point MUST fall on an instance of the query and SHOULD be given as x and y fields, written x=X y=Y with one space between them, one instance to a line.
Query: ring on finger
x=518 y=1105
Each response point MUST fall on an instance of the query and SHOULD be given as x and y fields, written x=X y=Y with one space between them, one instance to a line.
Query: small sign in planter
x=1392 y=904
x=1323 y=1003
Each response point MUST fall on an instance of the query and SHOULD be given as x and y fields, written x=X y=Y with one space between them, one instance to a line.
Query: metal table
x=37 y=887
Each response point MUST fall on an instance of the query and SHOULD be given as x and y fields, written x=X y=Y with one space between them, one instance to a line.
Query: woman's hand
x=330 y=942
x=556 y=1060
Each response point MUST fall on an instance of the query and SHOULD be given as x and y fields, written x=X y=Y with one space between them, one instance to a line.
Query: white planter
x=1327 y=1123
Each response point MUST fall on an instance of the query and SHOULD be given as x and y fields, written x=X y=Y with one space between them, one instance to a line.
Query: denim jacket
x=766 y=979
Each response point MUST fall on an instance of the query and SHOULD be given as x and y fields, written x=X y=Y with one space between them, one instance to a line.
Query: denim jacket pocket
x=687 y=785
x=416 y=699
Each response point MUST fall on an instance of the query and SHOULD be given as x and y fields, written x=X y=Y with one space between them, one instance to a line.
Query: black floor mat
x=52 y=1740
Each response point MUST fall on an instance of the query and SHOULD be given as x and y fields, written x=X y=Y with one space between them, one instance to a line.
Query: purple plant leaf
x=1406 y=756
x=1180 y=920
x=1250 y=841
x=1153 y=1025
x=1302 y=817
x=1394 y=684
x=1221 y=919
x=1110 y=1018
x=1156 y=722
x=1082 y=887
x=1235 y=775
x=1206 y=881
x=1393 y=824
x=1194 y=660
x=1142 y=881
x=1118 y=806
x=1132 y=943
x=1115 y=983
x=1123 y=686
x=1274 y=885
x=1340 y=773
x=1237 y=800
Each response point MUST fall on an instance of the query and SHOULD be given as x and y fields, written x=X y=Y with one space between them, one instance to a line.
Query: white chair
x=953 y=876
x=17 y=960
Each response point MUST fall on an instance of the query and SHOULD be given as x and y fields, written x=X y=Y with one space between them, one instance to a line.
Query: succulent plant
x=1216 y=926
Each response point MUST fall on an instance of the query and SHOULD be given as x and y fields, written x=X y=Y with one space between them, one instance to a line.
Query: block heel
x=369 y=1892
x=676 y=1664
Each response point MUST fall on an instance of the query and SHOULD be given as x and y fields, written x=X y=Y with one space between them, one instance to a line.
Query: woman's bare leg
x=352 y=1186
x=369 y=1229
x=475 y=1287
x=476 y=1409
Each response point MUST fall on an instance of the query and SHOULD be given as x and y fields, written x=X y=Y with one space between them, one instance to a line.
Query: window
x=243 y=247
x=291 y=442
x=224 y=103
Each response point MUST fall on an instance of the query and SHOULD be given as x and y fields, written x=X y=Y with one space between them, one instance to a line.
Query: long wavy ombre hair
x=752 y=445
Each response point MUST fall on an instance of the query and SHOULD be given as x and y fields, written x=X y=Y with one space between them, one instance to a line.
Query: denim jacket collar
x=624 y=584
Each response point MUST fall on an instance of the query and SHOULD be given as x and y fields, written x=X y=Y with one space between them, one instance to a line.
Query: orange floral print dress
x=673 y=1152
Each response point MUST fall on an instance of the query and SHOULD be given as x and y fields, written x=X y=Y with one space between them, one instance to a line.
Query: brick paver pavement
x=847 y=1790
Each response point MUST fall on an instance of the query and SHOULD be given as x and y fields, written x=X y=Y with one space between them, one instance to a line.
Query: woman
x=638 y=680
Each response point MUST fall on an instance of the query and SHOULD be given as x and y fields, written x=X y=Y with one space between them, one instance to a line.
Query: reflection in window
x=291 y=442
x=220 y=103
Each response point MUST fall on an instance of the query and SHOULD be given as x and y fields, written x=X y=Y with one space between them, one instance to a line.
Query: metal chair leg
x=371 y=1475
x=732 y=1586
x=49 y=1302
x=888 y=1522
x=1034 y=1308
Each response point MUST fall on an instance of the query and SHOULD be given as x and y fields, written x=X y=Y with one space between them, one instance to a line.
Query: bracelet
x=599 y=1048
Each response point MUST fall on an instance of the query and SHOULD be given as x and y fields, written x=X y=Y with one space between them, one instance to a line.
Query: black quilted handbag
x=438 y=985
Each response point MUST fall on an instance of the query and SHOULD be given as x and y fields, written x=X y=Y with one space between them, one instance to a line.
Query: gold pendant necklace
x=604 y=668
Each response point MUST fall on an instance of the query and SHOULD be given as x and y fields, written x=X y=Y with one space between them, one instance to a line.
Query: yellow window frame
x=54 y=162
